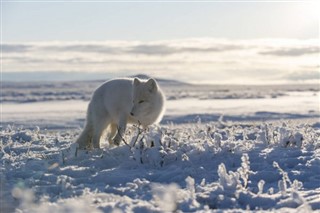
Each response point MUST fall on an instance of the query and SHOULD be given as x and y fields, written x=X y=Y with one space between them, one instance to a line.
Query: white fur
x=118 y=102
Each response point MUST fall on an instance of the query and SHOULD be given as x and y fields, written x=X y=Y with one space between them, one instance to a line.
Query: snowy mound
x=196 y=167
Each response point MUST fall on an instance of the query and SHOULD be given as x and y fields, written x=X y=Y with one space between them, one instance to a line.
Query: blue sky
x=33 y=21
x=236 y=42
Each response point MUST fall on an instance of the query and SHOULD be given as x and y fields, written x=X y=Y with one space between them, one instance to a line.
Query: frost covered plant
x=282 y=184
x=217 y=139
x=263 y=134
x=229 y=181
x=154 y=148
x=260 y=186
x=192 y=193
x=296 y=185
x=312 y=136
x=287 y=137
x=138 y=152
x=244 y=170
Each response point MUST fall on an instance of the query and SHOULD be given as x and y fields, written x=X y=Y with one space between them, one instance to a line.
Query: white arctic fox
x=118 y=102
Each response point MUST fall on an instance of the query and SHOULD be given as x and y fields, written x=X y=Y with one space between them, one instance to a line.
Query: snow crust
x=218 y=149
x=199 y=167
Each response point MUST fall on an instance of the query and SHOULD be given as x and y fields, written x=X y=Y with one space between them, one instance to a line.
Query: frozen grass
x=191 y=167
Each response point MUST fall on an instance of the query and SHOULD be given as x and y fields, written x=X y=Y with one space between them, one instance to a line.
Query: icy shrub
x=231 y=182
x=260 y=186
x=262 y=135
x=288 y=137
x=312 y=135
x=217 y=139
x=187 y=199
x=153 y=148
x=229 y=187
x=228 y=182
x=154 y=156
x=192 y=202
x=23 y=136
x=244 y=170
x=282 y=184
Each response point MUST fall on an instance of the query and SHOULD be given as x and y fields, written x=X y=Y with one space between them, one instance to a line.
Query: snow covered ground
x=218 y=148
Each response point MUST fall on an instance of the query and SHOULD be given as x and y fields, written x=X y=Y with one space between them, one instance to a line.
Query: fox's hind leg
x=85 y=137
x=99 y=127
x=113 y=130
x=99 y=130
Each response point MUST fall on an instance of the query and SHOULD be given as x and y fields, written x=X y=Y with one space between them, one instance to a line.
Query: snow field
x=193 y=167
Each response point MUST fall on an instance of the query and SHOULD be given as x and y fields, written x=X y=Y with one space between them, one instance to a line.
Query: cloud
x=295 y=51
x=94 y=48
x=15 y=47
x=303 y=76
x=213 y=60
x=60 y=47
x=148 y=48
x=153 y=49
x=164 y=49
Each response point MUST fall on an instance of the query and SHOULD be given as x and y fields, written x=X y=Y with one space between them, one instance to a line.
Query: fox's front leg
x=121 y=130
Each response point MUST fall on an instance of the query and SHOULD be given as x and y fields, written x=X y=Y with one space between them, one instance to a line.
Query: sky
x=203 y=42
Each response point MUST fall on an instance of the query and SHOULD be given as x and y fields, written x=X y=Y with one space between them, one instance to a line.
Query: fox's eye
x=140 y=102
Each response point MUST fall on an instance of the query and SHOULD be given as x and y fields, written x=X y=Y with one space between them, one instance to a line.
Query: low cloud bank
x=194 y=60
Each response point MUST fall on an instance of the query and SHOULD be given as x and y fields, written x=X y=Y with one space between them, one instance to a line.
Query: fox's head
x=145 y=99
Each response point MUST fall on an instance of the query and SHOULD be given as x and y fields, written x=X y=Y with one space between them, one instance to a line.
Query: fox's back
x=115 y=95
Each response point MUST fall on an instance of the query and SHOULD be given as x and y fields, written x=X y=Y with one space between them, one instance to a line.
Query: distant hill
x=42 y=77
x=167 y=82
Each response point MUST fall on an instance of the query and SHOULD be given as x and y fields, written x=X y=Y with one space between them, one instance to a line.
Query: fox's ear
x=152 y=85
x=136 y=81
